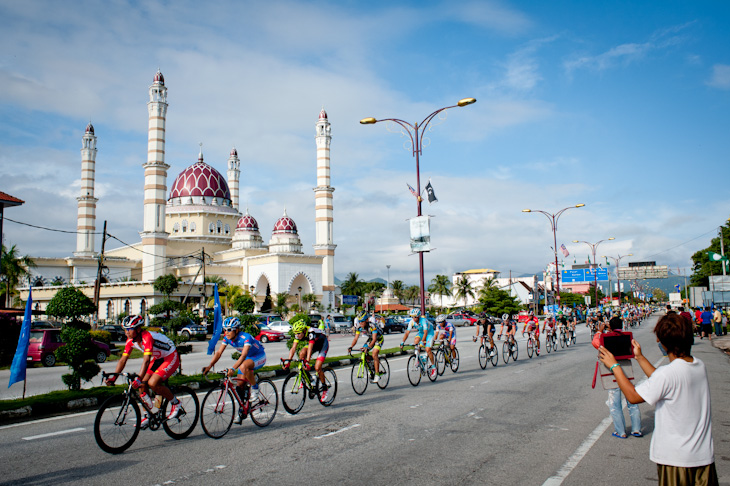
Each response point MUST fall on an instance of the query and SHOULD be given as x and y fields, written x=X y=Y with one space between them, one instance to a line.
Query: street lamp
x=618 y=275
x=388 y=284
x=553 y=218
x=299 y=298
x=415 y=132
x=595 y=263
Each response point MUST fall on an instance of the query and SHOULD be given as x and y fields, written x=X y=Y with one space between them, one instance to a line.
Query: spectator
x=614 y=402
x=706 y=318
x=686 y=315
x=717 y=320
x=669 y=309
x=724 y=322
x=682 y=445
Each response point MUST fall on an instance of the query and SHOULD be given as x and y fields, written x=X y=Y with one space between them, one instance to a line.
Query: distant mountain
x=378 y=280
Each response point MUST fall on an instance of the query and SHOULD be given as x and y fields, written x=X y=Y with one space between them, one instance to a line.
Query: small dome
x=285 y=225
x=90 y=128
x=323 y=114
x=159 y=78
x=200 y=179
x=234 y=152
x=247 y=223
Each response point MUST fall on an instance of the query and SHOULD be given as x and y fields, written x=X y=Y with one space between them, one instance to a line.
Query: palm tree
x=412 y=293
x=231 y=292
x=309 y=299
x=13 y=269
x=463 y=288
x=281 y=306
x=398 y=288
x=352 y=285
x=488 y=284
x=440 y=286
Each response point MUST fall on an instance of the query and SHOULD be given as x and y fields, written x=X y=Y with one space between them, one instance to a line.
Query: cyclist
x=370 y=329
x=252 y=358
x=424 y=333
x=445 y=328
x=532 y=325
x=549 y=328
x=318 y=343
x=160 y=360
x=487 y=327
x=505 y=322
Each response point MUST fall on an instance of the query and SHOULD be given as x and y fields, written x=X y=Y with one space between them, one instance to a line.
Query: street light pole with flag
x=18 y=368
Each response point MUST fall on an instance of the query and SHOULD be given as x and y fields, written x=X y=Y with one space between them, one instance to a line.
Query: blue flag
x=217 y=322
x=17 y=369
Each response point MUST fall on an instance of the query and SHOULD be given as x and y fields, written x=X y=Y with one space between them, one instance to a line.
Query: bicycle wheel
x=548 y=343
x=331 y=381
x=505 y=352
x=293 y=393
x=514 y=351
x=530 y=347
x=359 y=377
x=455 y=361
x=117 y=424
x=265 y=403
x=384 y=373
x=217 y=412
x=483 y=358
x=413 y=370
x=573 y=338
x=440 y=362
x=494 y=355
x=181 y=426
x=562 y=339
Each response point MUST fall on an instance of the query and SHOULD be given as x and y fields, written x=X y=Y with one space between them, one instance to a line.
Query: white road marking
x=51 y=434
x=338 y=431
x=49 y=419
x=484 y=382
x=519 y=371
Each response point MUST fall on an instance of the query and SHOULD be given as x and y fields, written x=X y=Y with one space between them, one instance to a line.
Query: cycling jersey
x=485 y=327
x=321 y=343
x=424 y=329
x=371 y=330
x=244 y=339
x=153 y=344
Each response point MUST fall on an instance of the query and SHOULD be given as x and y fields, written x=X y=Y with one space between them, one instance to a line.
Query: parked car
x=268 y=319
x=115 y=330
x=393 y=325
x=472 y=319
x=281 y=326
x=192 y=329
x=341 y=324
x=45 y=341
x=458 y=320
x=267 y=334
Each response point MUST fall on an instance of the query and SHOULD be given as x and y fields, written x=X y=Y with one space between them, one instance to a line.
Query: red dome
x=159 y=78
x=322 y=115
x=90 y=128
x=285 y=225
x=247 y=222
x=200 y=179
x=234 y=152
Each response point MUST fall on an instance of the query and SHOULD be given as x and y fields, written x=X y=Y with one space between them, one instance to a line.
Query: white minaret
x=154 y=238
x=86 y=218
x=324 y=240
x=234 y=175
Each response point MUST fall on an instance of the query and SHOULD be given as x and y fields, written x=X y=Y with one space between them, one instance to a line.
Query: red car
x=267 y=334
x=44 y=342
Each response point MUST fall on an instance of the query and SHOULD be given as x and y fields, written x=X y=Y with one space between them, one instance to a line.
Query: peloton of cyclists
x=424 y=333
x=318 y=343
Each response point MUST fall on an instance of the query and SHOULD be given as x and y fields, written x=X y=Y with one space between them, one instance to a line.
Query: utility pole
x=722 y=251
x=205 y=291
x=97 y=285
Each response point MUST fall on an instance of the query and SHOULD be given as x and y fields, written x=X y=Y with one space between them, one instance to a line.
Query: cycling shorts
x=165 y=366
x=453 y=341
x=322 y=354
x=428 y=340
x=258 y=362
x=531 y=327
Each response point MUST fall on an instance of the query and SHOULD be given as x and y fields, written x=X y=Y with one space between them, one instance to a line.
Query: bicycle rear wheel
x=181 y=426
x=117 y=424
x=455 y=361
x=293 y=393
x=505 y=352
x=440 y=361
x=359 y=377
x=483 y=358
x=562 y=339
x=384 y=373
x=330 y=378
x=573 y=338
x=413 y=370
x=530 y=347
x=217 y=412
x=494 y=355
x=548 y=343
x=265 y=403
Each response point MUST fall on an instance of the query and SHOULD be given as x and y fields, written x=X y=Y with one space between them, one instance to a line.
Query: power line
x=50 y=229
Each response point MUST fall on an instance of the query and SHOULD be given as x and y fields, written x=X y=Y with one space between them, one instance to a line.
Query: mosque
x=194 y=231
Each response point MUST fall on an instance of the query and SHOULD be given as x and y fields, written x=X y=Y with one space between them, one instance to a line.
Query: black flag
x=431 y=195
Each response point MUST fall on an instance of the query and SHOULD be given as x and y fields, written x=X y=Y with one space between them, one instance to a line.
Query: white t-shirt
x=683 y=420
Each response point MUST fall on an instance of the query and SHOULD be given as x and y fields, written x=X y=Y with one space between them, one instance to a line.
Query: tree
x=216 y=279
x=496 y=302
x=231 y=292
x=309 y=299
x=463 y=289
x=244 y=304
x=352 y=285
x=70 y=303
x=13 y=269
x=282 y=301
x=76 y=352
x=412 y=293
x=440 y=285
x=166 y=284
x=398 y=288
x=702 y=267
x=659 y=295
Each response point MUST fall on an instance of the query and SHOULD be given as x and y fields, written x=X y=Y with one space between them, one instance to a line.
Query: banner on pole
x=420 y=234
x=18 y=368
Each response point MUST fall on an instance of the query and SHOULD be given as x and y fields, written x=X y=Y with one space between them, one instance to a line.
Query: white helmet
x=415 y=312
x=505 y=317
x=440 y=318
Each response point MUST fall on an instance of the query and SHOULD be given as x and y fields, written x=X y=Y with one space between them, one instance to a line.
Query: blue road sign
x=583 y=275
x=349 y=299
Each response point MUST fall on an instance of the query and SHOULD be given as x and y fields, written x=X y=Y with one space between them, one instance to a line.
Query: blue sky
x=622 y=106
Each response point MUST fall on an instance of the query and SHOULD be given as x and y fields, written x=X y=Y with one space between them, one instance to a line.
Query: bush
x=103 y=336
x=76 y=353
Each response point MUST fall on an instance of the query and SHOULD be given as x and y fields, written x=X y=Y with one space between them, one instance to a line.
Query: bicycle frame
x=156 y=419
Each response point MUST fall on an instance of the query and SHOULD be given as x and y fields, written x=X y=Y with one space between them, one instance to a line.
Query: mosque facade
x=194 y=231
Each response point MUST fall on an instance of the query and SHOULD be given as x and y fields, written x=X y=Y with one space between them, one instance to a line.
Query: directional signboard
x=583 y=275
x=635 y=273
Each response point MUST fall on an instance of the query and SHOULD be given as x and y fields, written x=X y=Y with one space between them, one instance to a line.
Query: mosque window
x=185 y=226
x=176 y=228
x=220 y=226
x=227 y=229
x=211 y=228
x=192 y=227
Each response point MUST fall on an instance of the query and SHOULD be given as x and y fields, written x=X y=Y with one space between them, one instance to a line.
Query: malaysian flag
x=564 y=250
x=413 y=191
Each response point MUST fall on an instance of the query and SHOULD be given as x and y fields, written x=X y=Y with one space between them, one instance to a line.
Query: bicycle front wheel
x=573 y=338
x=181 y=426
x=293 y=393
x=330 y=378
x=117 y=424
x=455 y=361
x=494 y=355
x=217 y=412
x=384 y=373
x=359 y=377
x=265 y=403
x=483 y=358
x=440 y=362
x=413 y=370
x=562 y=340
x=548 y=343
x=505 y=352
x=530 y=347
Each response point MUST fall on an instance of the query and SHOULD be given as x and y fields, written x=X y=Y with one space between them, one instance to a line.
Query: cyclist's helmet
x=440 y=319
x=505 y=317
x=361 y=316
x=414 y=312
x=231 y=323
x=130 y=322
x=299 y=326
x=483 y=315
x=531 y=313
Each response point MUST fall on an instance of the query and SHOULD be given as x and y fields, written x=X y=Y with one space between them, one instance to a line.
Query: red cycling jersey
x=153 y=343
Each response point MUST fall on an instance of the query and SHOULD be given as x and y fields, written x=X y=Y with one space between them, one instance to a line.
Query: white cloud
x=720 y=76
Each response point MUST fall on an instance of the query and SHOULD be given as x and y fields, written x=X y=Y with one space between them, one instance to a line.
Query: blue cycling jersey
x=448 y=328
x=244 y=339
x=423 y=327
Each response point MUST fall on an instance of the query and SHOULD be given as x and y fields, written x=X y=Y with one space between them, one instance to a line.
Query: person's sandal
x=637 y=434
x=618 y=436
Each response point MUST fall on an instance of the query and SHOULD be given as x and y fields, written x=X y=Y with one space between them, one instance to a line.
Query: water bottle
x=146 y=399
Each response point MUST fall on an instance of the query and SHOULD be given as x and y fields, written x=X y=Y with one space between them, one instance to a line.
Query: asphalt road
x=531 y=422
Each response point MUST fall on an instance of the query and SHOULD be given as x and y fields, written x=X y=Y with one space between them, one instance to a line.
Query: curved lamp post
x=553 y=218
x=415 y=132
x=617 y=260
x=594 y=246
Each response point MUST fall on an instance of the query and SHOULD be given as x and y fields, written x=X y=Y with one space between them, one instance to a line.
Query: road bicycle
x=364 y=370
x=118 y=420
x=298 y=384
x=443 y=357
x=571 y=335
x=563 y=338
x=509 y=349
x=419 y=365
x=487 y=353
x=219 y=405
x=551 y=341
x=532 y=346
